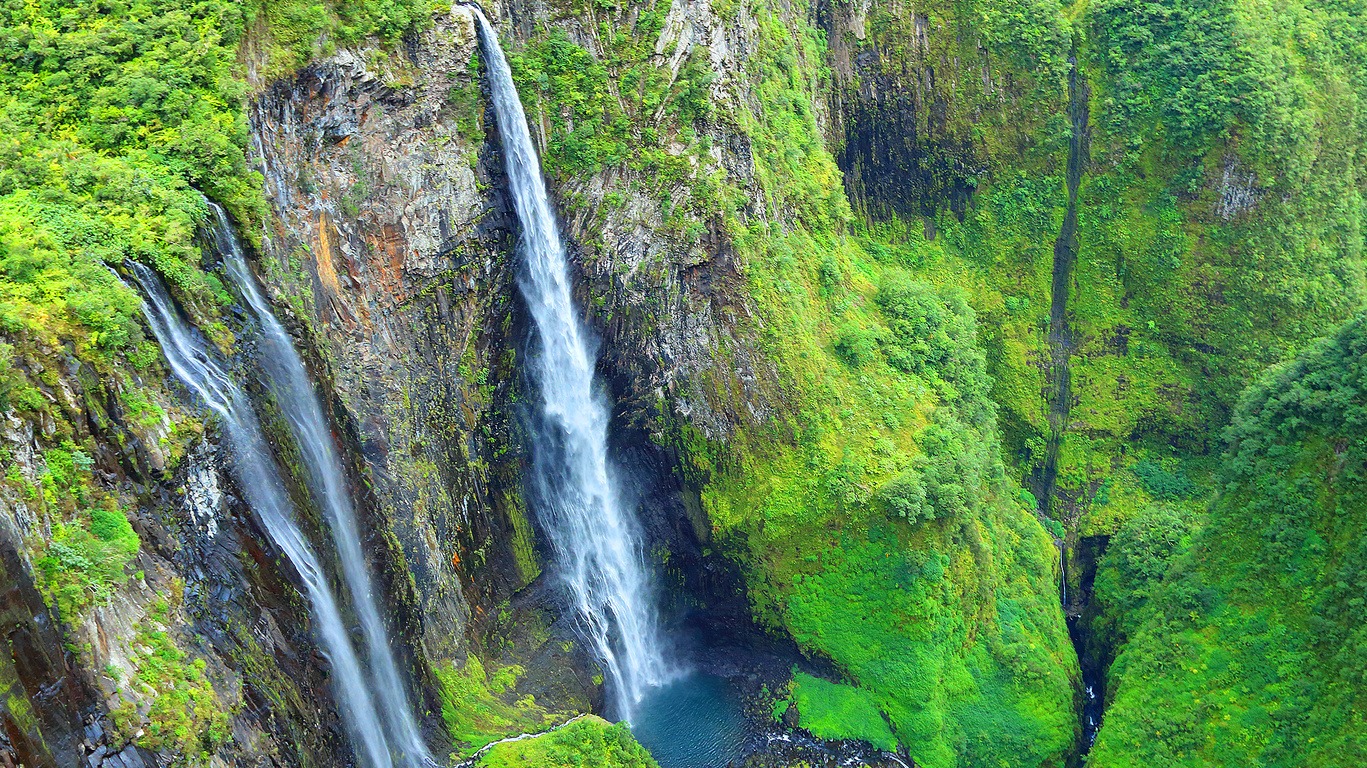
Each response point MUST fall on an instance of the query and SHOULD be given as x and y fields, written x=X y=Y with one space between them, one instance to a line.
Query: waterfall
x=599 y=545
x=290 y=383
x=260 y=481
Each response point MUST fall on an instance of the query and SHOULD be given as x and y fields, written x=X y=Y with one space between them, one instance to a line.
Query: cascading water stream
x=598 y=543
x=289 y=382
x=260 y=480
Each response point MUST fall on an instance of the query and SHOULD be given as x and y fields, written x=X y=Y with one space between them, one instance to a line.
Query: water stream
x=260 y=481
x=289 y=382
x=597 y=542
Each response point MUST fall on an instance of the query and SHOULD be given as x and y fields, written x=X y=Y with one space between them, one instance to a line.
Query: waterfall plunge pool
x=695 y=721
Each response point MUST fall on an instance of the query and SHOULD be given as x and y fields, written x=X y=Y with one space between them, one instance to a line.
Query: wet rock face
x=241 y=607
x=389 y=254
x=45 y=700
x=677 y=326
x=897 y=111
x=201 y=580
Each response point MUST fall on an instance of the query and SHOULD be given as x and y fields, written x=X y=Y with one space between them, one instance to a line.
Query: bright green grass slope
x=589 y=742
x=1253 y=651
x=835 y=711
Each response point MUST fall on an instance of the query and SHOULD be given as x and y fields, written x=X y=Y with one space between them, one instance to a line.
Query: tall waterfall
x=289 y=382
x=260 y=480
x=598 y=543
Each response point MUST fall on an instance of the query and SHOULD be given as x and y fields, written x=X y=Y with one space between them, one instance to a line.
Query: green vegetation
x=114 y=116
x=590 y=742
x=1133 y=567
x=868 y=516
x=117 y=118
x=901 y=311
x=876 y=522
x=1252 y=648
x=1219 y=219
x=473 y=707
x=1161 y=482
x=291 y=33
x=182 y=716
x=92 y=543
x=835 y=711
x=621 y=110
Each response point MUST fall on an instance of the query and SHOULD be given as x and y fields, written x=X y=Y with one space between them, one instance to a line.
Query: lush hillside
x=1252 y=649
x=1220 y=223
x=1219 y=195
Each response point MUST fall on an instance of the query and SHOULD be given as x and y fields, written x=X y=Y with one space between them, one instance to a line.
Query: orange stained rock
x=327 y=271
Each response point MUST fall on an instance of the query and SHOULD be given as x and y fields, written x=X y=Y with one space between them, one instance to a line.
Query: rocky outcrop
x=392 y=245
x=202 y=610
x=45 y=698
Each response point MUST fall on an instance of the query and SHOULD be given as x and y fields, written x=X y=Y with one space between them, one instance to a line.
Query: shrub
x=1134 y=565
x=1161 y=482
x=905 y=497
x=184 y=716
x=856 y=346
x=935 y=336
x=92 y=541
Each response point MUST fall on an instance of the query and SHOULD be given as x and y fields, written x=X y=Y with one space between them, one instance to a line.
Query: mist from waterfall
x=289 y=382
x=598 y=544
x=260 y=481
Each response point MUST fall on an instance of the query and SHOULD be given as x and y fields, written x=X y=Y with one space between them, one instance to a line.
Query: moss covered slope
x=590 y=741
x=1252 y=650
x=1218 y=211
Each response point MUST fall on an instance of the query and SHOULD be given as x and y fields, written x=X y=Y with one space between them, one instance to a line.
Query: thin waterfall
x=260 y=481
x=293 y=389
x=598 y=543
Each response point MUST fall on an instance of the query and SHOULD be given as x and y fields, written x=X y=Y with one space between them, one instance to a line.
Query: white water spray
x=598 y=544
x=289 y=382
x=260 y=481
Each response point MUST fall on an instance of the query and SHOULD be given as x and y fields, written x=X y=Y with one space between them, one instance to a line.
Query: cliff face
x=743 y=329
x=706 y=223
x=819 y=245
x=191 y=639
x=393 y=256
x=391 y=242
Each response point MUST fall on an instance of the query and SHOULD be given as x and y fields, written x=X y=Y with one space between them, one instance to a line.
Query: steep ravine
x=1079 y=563
x=1059 y=396
x=387 y=256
